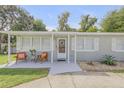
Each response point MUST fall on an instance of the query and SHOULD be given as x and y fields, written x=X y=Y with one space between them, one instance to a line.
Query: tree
x=114 y=21
x=92 y=29
x=13 y=16
x=63 y=22
x=87 y=23
x=38 y=25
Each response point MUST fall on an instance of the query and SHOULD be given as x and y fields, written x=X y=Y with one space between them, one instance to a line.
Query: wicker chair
x=44 y=56
x=21 y=56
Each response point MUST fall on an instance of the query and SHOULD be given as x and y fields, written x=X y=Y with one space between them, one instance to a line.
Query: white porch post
x=75 y=59
x=52 y=48
x=9 y=52
x=68 y=48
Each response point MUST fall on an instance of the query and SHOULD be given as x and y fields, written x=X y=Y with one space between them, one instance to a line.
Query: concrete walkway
x=55 y=68
x=62 y=67
x=78 y=80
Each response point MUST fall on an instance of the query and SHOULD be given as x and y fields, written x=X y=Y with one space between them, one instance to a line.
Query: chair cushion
x=21 y=55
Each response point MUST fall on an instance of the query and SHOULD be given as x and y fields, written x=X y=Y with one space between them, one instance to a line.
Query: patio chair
x=21 y=56
x=43 y=56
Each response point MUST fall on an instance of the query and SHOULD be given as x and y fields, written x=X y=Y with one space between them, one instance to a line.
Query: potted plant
x=33 y=51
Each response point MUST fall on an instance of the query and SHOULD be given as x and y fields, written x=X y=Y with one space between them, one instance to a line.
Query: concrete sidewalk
x=78 y=80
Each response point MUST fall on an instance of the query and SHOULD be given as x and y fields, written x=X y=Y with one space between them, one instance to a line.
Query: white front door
x=61 y=49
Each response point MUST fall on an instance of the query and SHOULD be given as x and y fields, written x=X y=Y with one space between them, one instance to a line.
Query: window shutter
x=113 y=44
x=96 y=41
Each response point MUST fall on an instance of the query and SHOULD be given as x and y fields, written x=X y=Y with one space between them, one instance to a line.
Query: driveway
x=78 y=80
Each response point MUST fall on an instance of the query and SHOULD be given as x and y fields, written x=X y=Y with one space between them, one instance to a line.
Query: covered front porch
x=45 y=41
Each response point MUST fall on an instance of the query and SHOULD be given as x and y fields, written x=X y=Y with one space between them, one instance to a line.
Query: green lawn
x=4 y=58
x=10 y=77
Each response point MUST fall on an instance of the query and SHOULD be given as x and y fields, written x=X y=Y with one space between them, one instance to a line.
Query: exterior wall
x=105 y=47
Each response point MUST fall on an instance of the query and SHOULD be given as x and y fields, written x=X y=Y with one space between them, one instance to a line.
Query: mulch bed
x=97 y=66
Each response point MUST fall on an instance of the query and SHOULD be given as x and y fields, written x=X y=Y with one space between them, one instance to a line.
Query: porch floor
x=54 y=68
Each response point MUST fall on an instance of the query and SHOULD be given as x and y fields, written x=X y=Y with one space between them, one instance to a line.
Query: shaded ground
x=97 y=66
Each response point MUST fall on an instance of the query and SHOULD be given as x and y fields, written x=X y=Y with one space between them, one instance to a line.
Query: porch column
x=68 y=48
x=9 y=52
x=52 y=49
x=75 y=58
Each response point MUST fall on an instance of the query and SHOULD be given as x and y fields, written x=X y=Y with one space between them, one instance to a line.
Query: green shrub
x=109 y=60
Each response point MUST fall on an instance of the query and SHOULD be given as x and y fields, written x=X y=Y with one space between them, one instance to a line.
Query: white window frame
x=34 y=37
x=96 y=47
x=41 y=44
x=18 y=43
x=114 y=45
x=29 y=45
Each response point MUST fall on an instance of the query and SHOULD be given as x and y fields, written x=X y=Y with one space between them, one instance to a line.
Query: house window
x=36 y=43
x=118 y=44
x=85 y=44
x=19 y=43
x=46 y=44
x=26 y=45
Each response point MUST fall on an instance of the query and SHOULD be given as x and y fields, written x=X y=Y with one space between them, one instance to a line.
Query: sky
x=49 y=13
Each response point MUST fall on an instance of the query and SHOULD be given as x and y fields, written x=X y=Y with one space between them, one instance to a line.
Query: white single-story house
x=70 y=46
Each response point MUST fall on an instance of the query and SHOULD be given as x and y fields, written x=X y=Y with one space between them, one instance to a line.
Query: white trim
x=68 y=48
x=9 y=51
x=60 y=32
x=75 y=58
x=40 y=43
x=64 y=54
x=114 y=45
x=52 y=49
x=87 y=50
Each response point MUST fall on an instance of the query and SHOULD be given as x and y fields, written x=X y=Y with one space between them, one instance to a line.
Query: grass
x=10 y=77
x=4 y=58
